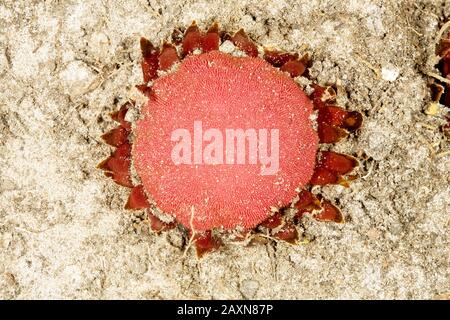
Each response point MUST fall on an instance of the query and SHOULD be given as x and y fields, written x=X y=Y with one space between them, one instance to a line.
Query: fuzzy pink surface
x=224 y=92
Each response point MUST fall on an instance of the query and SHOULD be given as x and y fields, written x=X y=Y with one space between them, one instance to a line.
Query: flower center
x=223 y=140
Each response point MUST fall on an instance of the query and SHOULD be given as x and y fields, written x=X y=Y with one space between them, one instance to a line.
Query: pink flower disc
x=189 y=173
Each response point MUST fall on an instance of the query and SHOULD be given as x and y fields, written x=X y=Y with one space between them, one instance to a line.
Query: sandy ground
x=64 y=65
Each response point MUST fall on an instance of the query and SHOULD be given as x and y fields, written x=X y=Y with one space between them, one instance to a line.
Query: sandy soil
x=63 y=233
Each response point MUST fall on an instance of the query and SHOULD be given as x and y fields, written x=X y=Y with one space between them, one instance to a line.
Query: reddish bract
x=137 y=199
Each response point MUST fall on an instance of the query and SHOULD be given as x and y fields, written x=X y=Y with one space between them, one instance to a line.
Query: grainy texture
x=63 y=233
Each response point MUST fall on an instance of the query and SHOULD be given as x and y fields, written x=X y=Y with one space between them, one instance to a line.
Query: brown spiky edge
x=440 y=89
x=334 y=123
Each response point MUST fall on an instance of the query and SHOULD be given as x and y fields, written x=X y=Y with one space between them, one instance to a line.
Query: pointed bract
x=206 y=242
x=119 y=116
x=277 y=58
x=322 y=96
x=244 y=43
x=116 y=136
x=157 y=224
x=295 y=68
x=288 y=233
x=273 y=221
x=322 y=177
x=137 y=199
x=192 y=39
x=330 y=134
x=332 y=115
x=168 y=57
x=117 y=166
x=337 y=162
x=211 y=40
x=150 y=62
x=307 y=200
x=329 y=213
x=145 y=90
